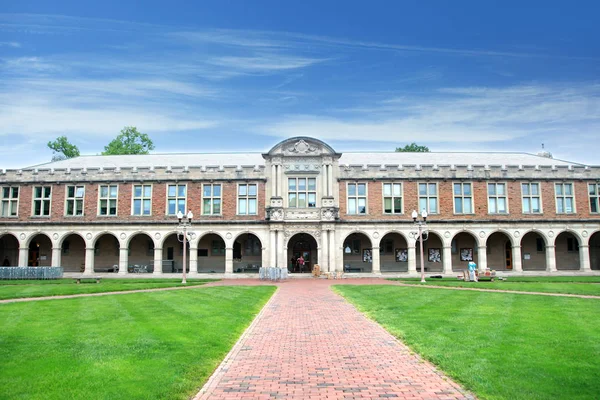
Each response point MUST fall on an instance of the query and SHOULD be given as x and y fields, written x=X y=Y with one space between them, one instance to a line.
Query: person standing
x=301 y=263
x=472 y=269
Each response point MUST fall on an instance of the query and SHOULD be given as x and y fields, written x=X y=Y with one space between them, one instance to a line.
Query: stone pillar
x=23 y=256
x=330 y=180
x=517 y=259
x=282 y=260
x=332 y=251
x=56 y=251
x=376 y=265
x=324 y=256
x=158 y=255
x=279 y=182
x=412 y=258
x=447 y=260
x=272 y=248
x=89 y=260
x=123 y=260
x=584 y=259
x=550 y=259
x=273 y=180
x=482 y=257
x=229 y=260
x=193 y=259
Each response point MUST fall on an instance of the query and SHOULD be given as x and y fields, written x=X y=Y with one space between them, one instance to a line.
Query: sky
x=240 y=76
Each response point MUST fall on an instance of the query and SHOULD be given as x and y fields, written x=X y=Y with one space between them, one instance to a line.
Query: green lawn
x=500 y=346
x=30 y=288
x=161 y=345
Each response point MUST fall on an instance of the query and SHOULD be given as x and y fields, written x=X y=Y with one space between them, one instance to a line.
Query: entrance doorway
x=508 y=251
x=302 y=247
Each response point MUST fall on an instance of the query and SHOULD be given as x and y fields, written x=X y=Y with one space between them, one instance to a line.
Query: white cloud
x=10 y=44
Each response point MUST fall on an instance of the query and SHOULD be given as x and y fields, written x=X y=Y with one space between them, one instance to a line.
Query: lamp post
x=420 y=225
x=183 y=226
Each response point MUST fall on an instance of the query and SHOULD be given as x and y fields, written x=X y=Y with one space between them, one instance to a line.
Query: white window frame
x=141 y=199
x=42 y=199
x=357 y=197
x=75 y=199
x=531 y=196
x=496 y=196
x=462 y=196
x=596 y=196
x=108 y=199
x=211 y=199
x=298 y=192
x=564 y=197
x=246 y=197
x=428 y=196
x=177 y=197
x=9 y=201
x=392 y=196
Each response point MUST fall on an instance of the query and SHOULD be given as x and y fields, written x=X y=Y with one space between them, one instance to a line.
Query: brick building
x=510 y=212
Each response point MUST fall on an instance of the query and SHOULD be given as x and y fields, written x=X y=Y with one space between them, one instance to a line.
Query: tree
x=62 y=149
x=130 y=141
x=413 y=148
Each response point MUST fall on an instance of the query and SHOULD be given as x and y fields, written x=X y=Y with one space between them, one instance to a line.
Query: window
x=10 y=201
x=392 y=198
x=176 y=196
x=357 y=198
x=463 y=198
x=142 y=200
x=247 y=199
x=302 y=192
x=211 y=195
x=428 y=197
x=530 y=193
x=108 y=199
x=42 y=196
x=497 y=198
x=594 y=191
x=218 y=247
x=74 y=206
x=564 y=198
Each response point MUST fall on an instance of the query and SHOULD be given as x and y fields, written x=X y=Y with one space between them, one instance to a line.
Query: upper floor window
x=392 y=198
x=211 y=196
x=42 y=197
x=463 y=198
x=107 y=199
x=428 y=197
x=530 y=193
x=594 y=191
x=74 y=200
x=564 y=198
x=247 y=199
x=497 y=198
x=142 y=200
x=357 y=198
x=10 y=201
x=176 y=198
x=302 y=192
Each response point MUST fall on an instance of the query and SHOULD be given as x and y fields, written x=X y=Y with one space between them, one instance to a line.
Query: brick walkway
x=309 y=343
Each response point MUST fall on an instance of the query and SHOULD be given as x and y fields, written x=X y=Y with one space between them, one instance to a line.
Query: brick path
x=309 y=343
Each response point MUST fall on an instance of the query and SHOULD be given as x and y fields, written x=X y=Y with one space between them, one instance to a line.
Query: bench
x=78 y=279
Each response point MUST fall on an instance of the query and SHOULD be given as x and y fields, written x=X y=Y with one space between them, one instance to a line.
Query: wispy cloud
x=10 y=44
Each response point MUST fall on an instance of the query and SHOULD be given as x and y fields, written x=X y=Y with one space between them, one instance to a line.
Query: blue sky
x=218 y=76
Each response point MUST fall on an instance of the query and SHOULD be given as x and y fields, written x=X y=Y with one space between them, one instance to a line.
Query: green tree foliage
x=130 y=141
x=63 y=149
x=413 y=148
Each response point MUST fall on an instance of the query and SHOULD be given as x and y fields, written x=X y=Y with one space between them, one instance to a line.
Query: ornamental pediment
x=301 y=147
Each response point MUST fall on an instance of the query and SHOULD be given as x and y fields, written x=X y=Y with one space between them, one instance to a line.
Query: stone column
x=279 y=183
x=282 y=252
x=158 y=255
x=550 y=259
x=324 y=256
x=229 y=260
x=273 y=180
x=482 y=257
x=332 y=251
x=23 y=256
x=412 y=258
x=123 y=260
x=193 y=259
x=517 y=259
x=584 y=259
x=56 y=251
x=89 y=260
x=330 y=180
x=447 y=260
x=376 y=265
x=272 y=248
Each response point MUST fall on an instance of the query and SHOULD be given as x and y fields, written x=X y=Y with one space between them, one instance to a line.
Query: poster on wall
x=401 y=255
x=466 y=254
x=435 y=255
x=367 y=255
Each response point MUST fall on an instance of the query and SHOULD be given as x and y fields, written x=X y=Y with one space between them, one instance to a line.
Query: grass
x=30 y=288
x=161 y=345
x=499 y=345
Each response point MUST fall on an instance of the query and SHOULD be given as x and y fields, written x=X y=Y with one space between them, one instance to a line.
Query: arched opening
x=595 y=251
x=211 y=254
x=393 y=253
x=499 y=252
x=358 y=253
x=141 y=253
x=566 y=251
x=432 y=253
x=173 y=254
x=533 y=252
x=106 y=253
x=40 y=251
x=9 y=250
x=464 y=250
x=72 y=250
x=302 y=253
x=247 y=253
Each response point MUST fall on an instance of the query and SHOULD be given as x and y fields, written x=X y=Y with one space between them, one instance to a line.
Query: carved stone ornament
x=301 y=215
x=228 y=235
x=276 y=214
x=447 y=234
x=482 y=234
x=294 y=229
x=328 y=214
x=551 y=233
x=376 y=235
x=123 y=235
x=584 y=233
x=88 y=236
x=301 y=147
x=517 y=234
x=55 y=236
x=157 y=235
x=22 y=236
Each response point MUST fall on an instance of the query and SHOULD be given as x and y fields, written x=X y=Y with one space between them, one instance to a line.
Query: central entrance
x=301 y=246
